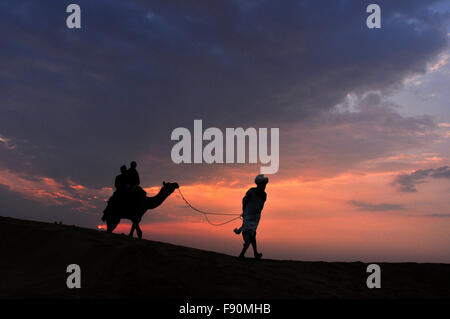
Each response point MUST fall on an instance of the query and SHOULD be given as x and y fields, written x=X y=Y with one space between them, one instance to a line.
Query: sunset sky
x=363 y=114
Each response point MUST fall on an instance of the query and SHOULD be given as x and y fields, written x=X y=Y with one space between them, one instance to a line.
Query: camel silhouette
x=135 y=209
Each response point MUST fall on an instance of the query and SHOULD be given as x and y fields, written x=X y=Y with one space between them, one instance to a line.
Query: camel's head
x=170 y=187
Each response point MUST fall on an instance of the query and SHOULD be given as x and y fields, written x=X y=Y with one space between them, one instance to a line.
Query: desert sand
x=34 y=257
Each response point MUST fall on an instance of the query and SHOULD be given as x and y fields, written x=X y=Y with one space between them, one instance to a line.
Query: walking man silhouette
x=252 y=205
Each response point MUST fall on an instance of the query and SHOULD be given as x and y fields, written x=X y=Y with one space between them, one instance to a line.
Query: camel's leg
x=133 y=227
x=138 y=231
x=111 y=224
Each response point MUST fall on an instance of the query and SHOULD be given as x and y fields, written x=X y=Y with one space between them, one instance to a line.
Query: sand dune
x=34 y=257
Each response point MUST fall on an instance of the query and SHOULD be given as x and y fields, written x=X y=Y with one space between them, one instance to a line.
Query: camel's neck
x=158 y=199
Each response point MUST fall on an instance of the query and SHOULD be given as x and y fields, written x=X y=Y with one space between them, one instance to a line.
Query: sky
x=363 y=115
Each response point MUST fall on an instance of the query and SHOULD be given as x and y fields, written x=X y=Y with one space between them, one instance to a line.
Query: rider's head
x=123 y=169
x=133 y=164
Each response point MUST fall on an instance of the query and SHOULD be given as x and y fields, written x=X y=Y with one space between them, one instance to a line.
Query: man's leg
x=246 y=237
x=255 y=250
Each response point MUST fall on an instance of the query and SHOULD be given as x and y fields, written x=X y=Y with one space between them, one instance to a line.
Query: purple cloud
x=407 y=182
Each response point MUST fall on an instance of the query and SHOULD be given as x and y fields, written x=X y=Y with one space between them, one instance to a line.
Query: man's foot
x=258 y=256
x=241 y=257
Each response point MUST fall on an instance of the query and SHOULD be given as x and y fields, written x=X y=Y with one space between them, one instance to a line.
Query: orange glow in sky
x=332 y=218
x=310 y=220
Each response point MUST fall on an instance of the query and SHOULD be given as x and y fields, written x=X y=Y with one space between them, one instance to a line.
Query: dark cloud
x=381 y=207
x=408 y=182
x=80 y=103
x=438 y=215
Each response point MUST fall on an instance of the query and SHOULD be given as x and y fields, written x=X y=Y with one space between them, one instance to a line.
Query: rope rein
x=205 y=214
